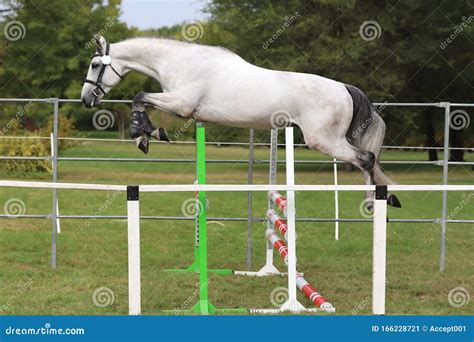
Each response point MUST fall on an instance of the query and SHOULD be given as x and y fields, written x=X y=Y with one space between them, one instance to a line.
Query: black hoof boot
x=148 y=127
x=136 y=126
x=393 y=201
x=140 y=125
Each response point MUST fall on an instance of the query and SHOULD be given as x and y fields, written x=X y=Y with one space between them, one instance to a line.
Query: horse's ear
x=100 y=43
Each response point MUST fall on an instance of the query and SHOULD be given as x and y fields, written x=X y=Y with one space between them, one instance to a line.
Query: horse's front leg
x=141 y=127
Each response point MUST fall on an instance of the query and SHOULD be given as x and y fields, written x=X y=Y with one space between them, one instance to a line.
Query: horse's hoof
x=142 y=144
x=393 y=201
x=369 y=206
x=160 y=134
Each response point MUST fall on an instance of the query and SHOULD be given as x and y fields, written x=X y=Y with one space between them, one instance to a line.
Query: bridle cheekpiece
x=106 y=61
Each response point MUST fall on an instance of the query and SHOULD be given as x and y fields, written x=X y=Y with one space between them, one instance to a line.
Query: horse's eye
x=94 y=65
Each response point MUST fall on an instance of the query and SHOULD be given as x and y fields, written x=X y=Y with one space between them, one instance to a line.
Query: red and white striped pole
x=305 y=287
x=278 y=244
x=310 y=292
x=279 y=201
x=277 y=222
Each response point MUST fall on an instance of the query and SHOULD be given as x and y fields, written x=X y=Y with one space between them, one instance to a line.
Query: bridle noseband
x=106 y=61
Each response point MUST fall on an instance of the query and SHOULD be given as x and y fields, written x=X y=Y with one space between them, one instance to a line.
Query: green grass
x=93 y=254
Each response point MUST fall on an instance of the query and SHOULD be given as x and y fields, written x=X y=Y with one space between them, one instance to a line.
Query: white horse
x=213 y=84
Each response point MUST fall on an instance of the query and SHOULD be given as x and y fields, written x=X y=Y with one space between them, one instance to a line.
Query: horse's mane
x=179 y=42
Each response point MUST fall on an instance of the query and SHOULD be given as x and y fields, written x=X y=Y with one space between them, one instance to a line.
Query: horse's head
x=102 y=75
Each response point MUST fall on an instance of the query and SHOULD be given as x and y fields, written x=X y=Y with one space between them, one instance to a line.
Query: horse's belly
x=245 y=103
x=234 y=116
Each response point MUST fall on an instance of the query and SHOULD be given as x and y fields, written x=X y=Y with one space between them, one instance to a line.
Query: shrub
x=33 y=146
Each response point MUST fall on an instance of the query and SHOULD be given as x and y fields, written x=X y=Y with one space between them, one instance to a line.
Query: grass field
x=93 y=254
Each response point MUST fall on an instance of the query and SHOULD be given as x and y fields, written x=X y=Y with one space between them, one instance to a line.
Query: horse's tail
x=367 y=130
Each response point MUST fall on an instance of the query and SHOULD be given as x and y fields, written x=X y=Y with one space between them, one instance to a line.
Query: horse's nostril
x=83 y=100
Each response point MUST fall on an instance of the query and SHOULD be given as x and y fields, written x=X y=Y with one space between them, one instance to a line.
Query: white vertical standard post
x=379 y=250
x=134 y=282
x=336 y=203
x=292 y=304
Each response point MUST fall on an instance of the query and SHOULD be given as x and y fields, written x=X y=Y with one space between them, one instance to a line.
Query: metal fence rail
x=223 y=143
x=225 y=161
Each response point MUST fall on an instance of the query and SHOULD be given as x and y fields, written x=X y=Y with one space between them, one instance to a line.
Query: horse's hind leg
x=342 y=150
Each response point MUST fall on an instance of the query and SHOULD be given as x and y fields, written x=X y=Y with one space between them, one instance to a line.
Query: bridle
x=106 y=61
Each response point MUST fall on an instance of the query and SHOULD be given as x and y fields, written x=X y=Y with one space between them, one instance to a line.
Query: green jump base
x=205 y=307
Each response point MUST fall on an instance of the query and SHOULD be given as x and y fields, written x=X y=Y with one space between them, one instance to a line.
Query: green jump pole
x=201 y=178
x=204 y=306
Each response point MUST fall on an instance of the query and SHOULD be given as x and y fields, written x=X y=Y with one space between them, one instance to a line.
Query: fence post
x=54 y=153
x=379 y=254
x=133 y=220
x=249 y=202
x=444 y=209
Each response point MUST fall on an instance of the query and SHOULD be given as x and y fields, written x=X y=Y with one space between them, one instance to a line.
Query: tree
x=52 y=58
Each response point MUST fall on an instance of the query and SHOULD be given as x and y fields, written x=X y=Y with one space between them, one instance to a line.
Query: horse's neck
x=157 y=58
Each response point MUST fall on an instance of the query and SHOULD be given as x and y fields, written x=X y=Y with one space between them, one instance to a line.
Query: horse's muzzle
x=91 y=102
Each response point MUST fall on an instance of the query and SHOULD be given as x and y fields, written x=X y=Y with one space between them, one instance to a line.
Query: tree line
x=407 y=51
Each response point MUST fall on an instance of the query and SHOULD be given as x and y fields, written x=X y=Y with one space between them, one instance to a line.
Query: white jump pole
x=134 y=282
x=379 y=250
x=292 y=304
